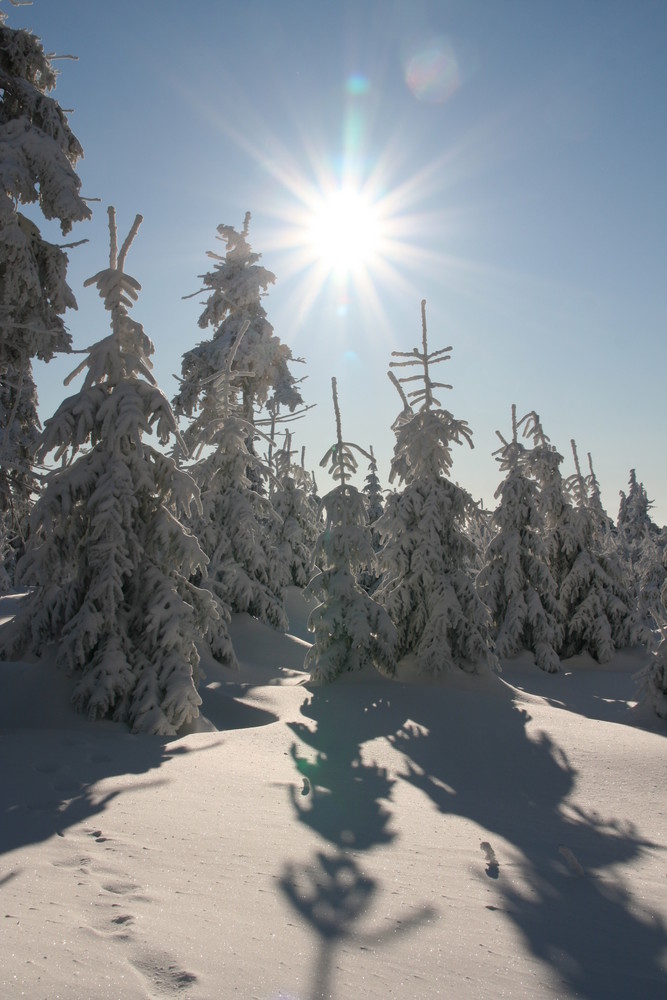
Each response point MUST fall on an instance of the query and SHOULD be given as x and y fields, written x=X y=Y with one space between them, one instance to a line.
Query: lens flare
x=357 y=85
x=432 y=71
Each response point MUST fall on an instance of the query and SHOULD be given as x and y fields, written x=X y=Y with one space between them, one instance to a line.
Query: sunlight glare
x=344 y=232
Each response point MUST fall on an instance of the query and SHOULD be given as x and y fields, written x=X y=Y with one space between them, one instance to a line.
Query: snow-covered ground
x=468 y=838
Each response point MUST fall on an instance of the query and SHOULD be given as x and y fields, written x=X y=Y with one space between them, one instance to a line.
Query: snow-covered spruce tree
x=515 y=582
x=595 y=502
x=596 y=609
x=298 y=526
x=595 y=590
x=479 y=528
x=38 y=154
x=108 y=559
x=236 y=524
x=236 y=286
x=350 y=630
x=372 y=490
x=425 y=584
x=641 y=549
x=633 y=513
x=652 y=680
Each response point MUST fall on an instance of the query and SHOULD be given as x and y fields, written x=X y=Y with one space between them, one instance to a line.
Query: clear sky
x=511 y=153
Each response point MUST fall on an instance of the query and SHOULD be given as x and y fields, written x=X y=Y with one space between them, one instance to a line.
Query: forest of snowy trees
x=136 y=526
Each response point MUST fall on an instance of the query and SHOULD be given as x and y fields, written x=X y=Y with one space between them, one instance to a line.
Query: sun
x=345 y=241
x=344 y=233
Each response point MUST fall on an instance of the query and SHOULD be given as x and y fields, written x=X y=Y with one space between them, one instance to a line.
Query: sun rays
x=350 y=226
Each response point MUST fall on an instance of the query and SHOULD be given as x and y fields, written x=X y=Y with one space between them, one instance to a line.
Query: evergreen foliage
x=480 y=529
x=298 y=525
x=234 y=310
x=425 y=584
x=596 y=608
x=108 y=558
x=236 y=524
x=350 y=629
x=372 y=491
x=652 y=679
x=38 y=154
x=633 y=512
x=641 y=549
x=515 y=582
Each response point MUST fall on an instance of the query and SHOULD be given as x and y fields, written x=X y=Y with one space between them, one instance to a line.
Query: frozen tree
x=653 y=678
x=634 y=526
x=298 y=525
x=641 y=548
x=236 y=524
x=372 y=490
x=350 y=630
x=633 y=513
x=108 y=559
x=38 y=154
x=605 y=524
x=651 y=573
x=596 y=608
x=479 y=528
x=236 y=286
x=597 y=605
x=425 y=583
x=515 y=582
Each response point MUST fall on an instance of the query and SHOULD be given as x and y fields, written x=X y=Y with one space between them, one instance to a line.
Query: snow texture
x=139 y=867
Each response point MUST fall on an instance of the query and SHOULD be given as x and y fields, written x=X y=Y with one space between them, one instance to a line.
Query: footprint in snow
x=162 y=972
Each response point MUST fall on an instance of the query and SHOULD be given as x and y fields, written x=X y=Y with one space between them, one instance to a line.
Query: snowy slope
x=469 y=838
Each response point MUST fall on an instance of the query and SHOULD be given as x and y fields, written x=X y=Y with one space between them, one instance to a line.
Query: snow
x=469 y=837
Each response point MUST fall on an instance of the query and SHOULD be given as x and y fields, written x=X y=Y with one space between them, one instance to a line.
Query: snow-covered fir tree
x=604 y=522
x=236 y=525
x=235 y=287
x=596 y=608
x=633 y=513
x=515 y=582
x=375 y=507
x=350 y=629
x=108 y=558
x=373 y=490
x=425 y=583
x=652 y=680
x=38 y=154
x=479 y=529
x=651 y=573
x=641 y=548
x=298 y=525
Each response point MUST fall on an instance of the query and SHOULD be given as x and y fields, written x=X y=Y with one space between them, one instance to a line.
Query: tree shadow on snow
x=574 y=914
x=345 y=799
x=49 y=778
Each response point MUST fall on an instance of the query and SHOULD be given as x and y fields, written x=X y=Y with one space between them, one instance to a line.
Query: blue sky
x=516 y=151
